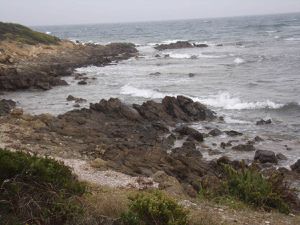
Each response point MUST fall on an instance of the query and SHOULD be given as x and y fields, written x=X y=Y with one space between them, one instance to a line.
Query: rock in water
x=191 y=132
x=264 y=122
x=265 y=156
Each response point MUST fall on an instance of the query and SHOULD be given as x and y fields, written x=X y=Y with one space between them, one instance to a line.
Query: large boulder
x=174 y=110
x=265 y=156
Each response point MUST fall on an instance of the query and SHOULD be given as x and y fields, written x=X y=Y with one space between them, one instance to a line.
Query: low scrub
x=36 y=190
x=22 y=34
x=154 y=208
x=249 y=186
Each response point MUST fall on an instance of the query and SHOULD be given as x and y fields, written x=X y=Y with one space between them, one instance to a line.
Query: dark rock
x=157 y=56
x=244 y=147
x=82 y=82
x=155 y=74
x=296 y=167
x=191 y=74
x=264 y=156
x=219 y=45
x=281 y=156
x=177 y=45
x=264 y=122
x=201 y=45
x=76 y=105
x=77 y=100
x=233 y=133
x=225 y=145
x=188 y=149
x=258 y=139
x=215 y=132
x=6 y=106
x=191 y=132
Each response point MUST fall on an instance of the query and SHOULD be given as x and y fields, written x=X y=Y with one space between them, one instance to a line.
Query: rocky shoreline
x=110 y=143
x=137 y=140
x=42 y=66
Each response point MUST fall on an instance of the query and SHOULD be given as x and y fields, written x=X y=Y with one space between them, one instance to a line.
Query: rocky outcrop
x=179 y=45
x=44 y=69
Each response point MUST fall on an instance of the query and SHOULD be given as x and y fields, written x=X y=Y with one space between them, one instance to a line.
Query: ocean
x=250 y=71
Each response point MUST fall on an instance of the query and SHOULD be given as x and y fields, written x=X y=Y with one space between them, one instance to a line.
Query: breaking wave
x=223 y=100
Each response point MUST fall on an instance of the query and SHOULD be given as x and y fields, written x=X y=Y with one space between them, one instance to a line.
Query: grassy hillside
x=19 y=33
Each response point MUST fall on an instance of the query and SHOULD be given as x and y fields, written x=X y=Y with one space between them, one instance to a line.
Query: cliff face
x=40 y=63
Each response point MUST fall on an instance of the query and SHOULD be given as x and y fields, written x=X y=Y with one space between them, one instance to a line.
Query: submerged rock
x=244 y=147
x=233 y=133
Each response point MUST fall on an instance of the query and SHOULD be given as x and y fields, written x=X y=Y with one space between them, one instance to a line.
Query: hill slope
x=19 y=33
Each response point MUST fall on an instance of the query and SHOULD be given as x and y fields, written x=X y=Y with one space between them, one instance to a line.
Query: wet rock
x=201 y=45
x=244 y=147
x=281 y=156
x=225 y=145
x=155 y=74
x=191 y=132
x=233 y=133
x=258 y=139
x=264 y=122
x=82 y=82
x=77 y=100
x=265 y=156
x=6 y=106
x=157 y=56
x=296 y=167
x=191 y=74
x=177 y=45
x=215 y=132
x=76 y=105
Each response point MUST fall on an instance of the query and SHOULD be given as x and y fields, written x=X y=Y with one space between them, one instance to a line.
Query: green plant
x=249 y=186
x=36 y=190
x=154 y=209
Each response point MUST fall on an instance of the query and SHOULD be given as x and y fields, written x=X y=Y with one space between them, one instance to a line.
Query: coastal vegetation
x=36 y=190
x=22 y=34
x=249 y=186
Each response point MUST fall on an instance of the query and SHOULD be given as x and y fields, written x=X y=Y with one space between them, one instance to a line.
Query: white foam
x=48 y=32
x=190 y=56
x=239 y=60
x=179 y=56
x=293 y=39
x=226 y=101
x=235 y=121
x=271 y=31
x=139 y=92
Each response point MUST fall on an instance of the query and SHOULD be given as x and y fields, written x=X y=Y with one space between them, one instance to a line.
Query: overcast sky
x=53 y=12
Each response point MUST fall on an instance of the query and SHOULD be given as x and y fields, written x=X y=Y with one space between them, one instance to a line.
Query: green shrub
x=36 y=190
x=154 y=208
x=19 y=33
x=249 y=186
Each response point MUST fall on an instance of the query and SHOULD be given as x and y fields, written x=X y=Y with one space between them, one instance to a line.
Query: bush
x=37 y=190
x=154 y=208
x=19 y=33
x=249 y=186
